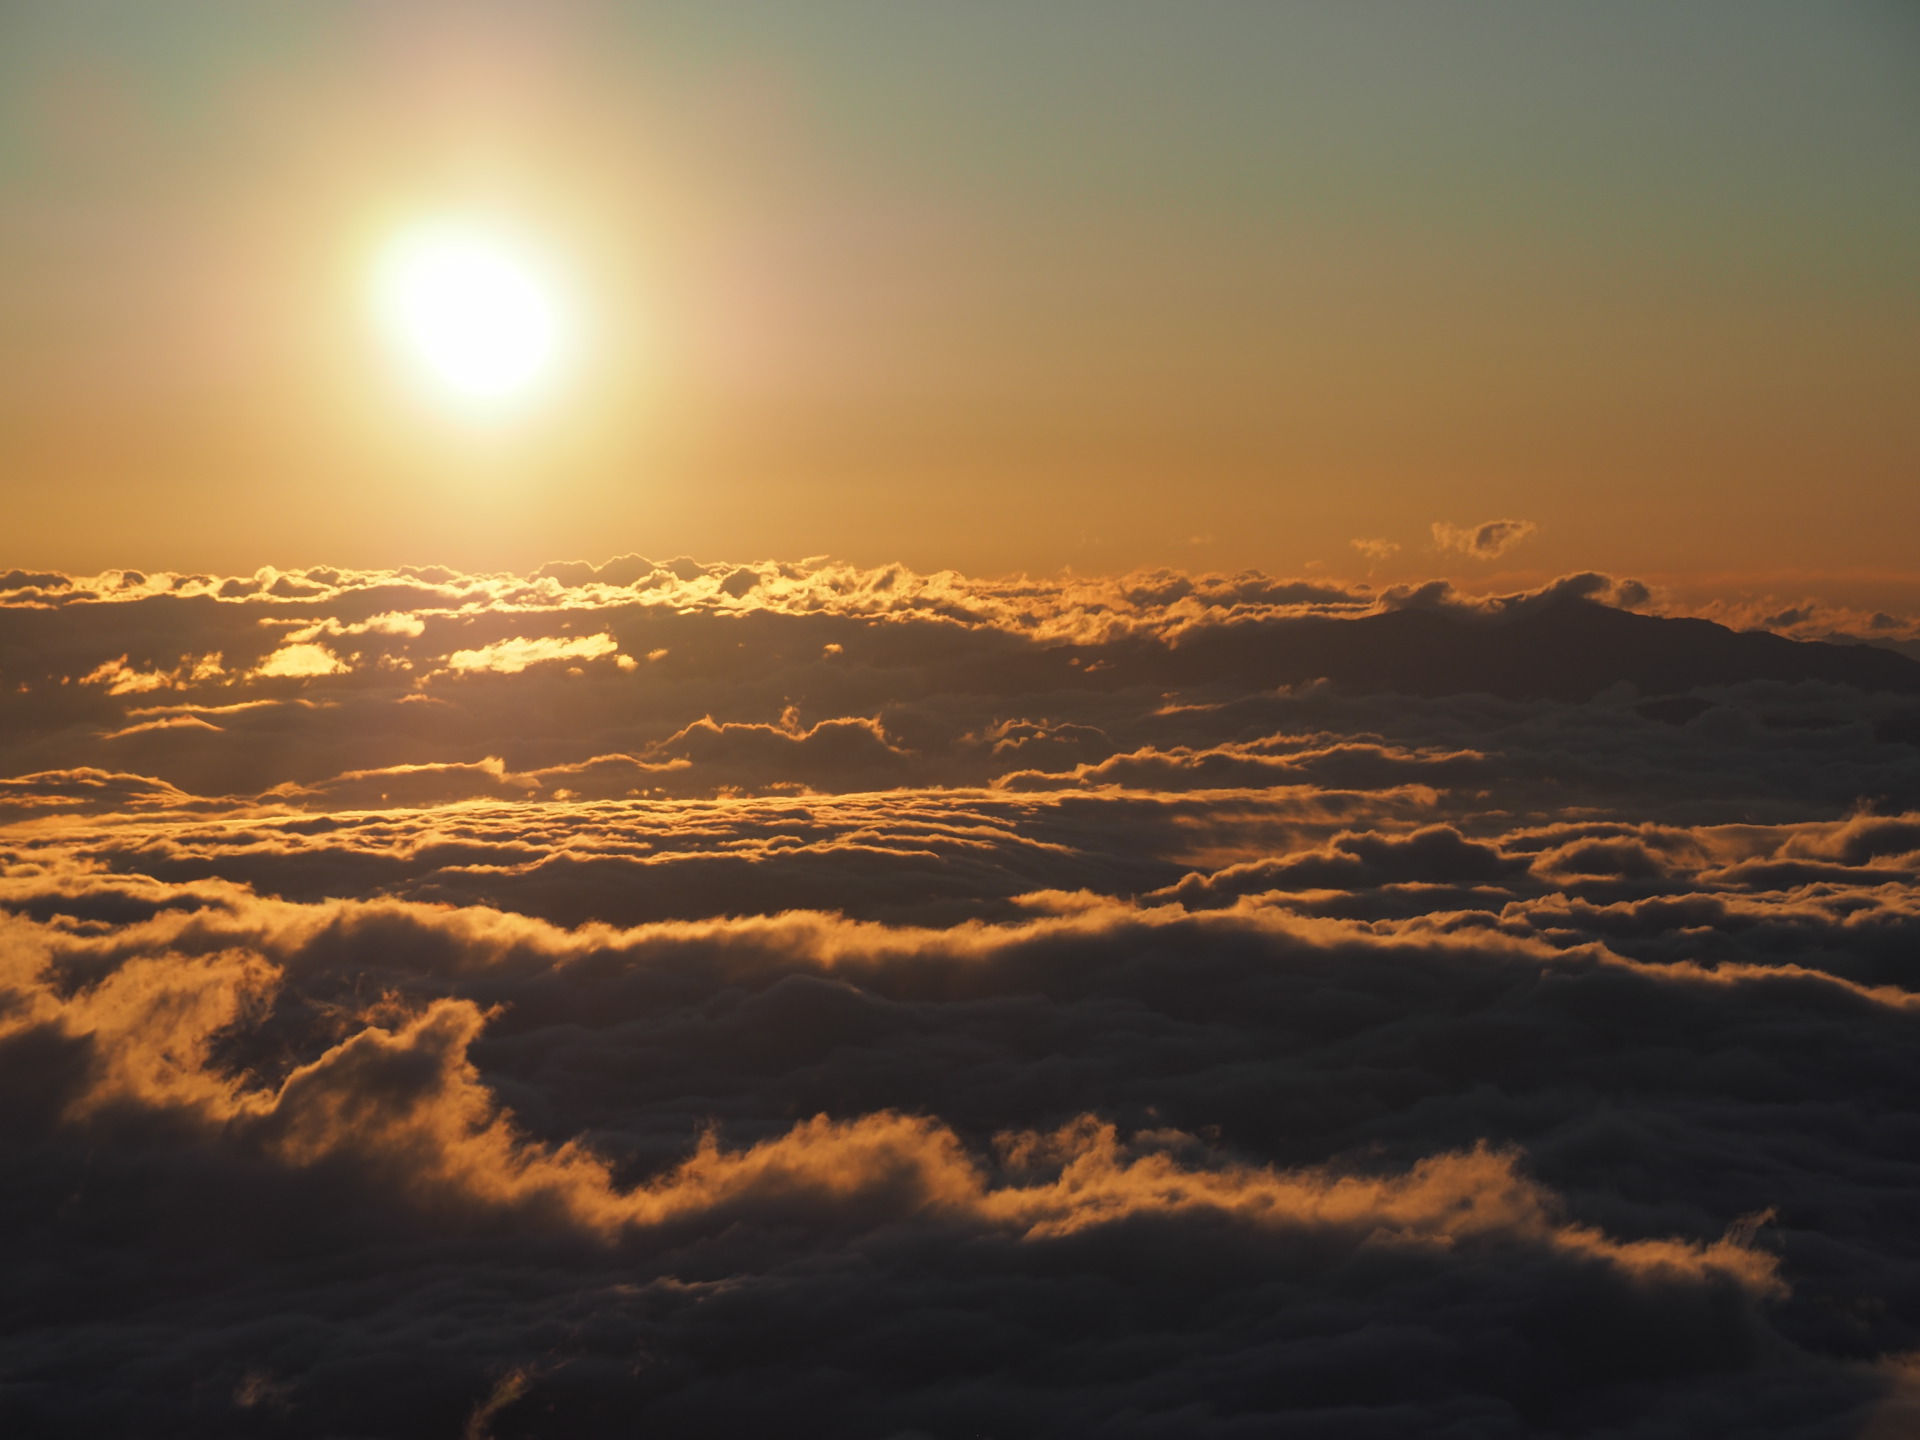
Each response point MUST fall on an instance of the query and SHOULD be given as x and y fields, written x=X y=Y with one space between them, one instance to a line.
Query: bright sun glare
x=472 y=308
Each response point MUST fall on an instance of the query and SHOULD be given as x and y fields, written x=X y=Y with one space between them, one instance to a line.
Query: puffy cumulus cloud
x=510 y=657
x=1078 y=608
x=1440 y=595
x=405 y=1099
x=301 y=661
x=1486 y=541
x=1104 y=1165
x=909 y=1005
x=841 y=681
x=1087 y=607
x=393 y=623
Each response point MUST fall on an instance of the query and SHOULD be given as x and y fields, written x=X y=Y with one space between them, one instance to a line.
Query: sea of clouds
x=709 y=1000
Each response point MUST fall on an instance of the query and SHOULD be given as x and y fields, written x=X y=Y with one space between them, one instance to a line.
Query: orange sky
x=1103 y=288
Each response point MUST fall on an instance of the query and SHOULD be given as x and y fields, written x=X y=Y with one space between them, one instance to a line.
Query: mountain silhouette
x=1563 y=649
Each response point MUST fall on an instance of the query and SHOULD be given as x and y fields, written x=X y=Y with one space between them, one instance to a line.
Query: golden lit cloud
x=302 y=661
x=511 y=656
x=120 y=678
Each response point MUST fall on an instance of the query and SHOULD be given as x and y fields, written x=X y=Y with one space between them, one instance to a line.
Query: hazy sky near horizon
x=984 y=286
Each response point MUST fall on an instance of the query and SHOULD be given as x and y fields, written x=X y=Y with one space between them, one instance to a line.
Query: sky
x=993 y=288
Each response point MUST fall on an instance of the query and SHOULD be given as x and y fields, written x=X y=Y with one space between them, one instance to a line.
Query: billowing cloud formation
x=1483 y=542
x=885 y=1005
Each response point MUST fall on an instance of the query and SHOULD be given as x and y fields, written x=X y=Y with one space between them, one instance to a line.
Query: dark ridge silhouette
x=1569 y=649
x=1674 y=709
x=1900 y=728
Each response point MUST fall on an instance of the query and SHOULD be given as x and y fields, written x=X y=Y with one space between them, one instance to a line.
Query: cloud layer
x=709 y=999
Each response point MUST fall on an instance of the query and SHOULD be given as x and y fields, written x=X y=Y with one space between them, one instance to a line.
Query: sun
x=473 y=308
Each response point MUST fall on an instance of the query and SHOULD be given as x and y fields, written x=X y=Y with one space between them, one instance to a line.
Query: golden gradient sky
x=984 y=286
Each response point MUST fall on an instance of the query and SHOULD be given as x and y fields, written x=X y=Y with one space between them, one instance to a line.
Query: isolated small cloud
x=1376 y=549
x=394 y=622
x=510 y=657
x=1486 y=541
x=301 y=661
